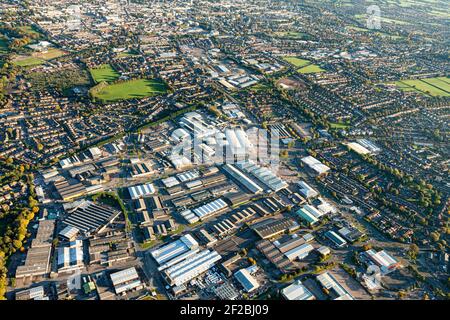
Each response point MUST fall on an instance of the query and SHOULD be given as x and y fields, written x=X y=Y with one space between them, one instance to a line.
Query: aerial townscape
x=224 y=150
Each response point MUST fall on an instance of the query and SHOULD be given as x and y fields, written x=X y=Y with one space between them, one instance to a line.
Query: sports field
x=104 y=73
x=132 y=89
x=312 y=68
x=38 y=57
x=27 y=61
x=49 y=54
x=305 y=66
x=339 y=125
x=436 y=87
x=297 y=62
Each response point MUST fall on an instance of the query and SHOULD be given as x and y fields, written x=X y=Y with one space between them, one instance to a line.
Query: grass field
x=436 y=87
x=312 y=68
x=49 y=54
x=132 y=89
x=104 y=73
x=259 y=87
x=38 y=57
x=339 y=125
x=297 y=62
x=440 y=82
x=305 y=66
x=28 y=61
x=126 y=54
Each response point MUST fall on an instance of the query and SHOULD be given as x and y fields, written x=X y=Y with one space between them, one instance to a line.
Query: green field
x=104 y=73
x=37 y=58
x=312 y=68
x=339 y=125
x=126 y=54
x=139 y=88
x=305 y=66
x=436 y=87
x=297 y=62
x=259 y=87
x=49 y=54
x=28 y=61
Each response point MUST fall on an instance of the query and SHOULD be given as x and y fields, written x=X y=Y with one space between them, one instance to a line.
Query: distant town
x=224 y=150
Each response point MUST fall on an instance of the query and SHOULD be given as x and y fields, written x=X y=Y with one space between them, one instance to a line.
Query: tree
x=434 y=236
x=17 y=244
x=413 y=251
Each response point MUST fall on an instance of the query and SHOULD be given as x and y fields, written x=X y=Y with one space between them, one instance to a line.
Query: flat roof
x=246 y=280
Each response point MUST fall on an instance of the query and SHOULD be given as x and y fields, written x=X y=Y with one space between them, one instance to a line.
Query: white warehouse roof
x=299 y=252
x=210 y=208
x=297 y=291
x=315 y=164
x=246 y=280
x=137 y=192
x=306 y=190
x=192 y=267
x=174 y=249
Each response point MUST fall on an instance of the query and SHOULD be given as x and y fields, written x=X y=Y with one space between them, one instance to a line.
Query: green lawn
x=339 y=125
x=37 y=57
x=259 y=87
x=148 y=244
x=312 y=68
x=126 y=54
x=28 y=61
x=139 y=88
x=441 y=83
x=297 y=62
x=432 y=86
x=104 y=73
x=49 y=54
x=305 y=66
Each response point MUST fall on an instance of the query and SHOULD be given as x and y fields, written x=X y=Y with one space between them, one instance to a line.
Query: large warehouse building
x=263 y=174
x=144 y=190
x=90 y=217
x=191 y=267
x=126 y=280
x=174 y=249
x=242 y=179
